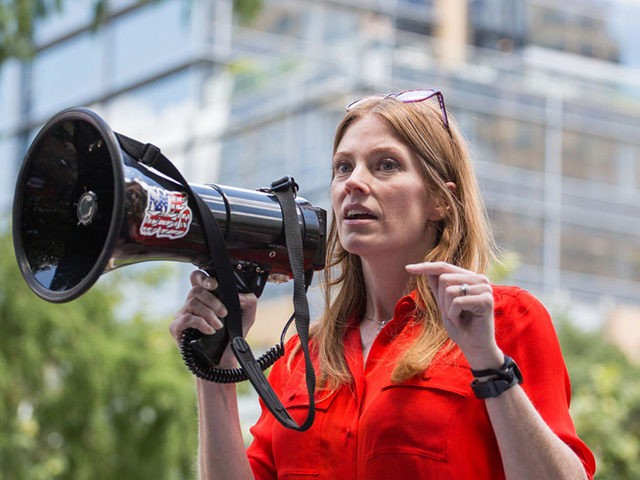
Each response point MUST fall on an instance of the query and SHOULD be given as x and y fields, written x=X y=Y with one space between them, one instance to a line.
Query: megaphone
x=84 y=206
x=89 y=200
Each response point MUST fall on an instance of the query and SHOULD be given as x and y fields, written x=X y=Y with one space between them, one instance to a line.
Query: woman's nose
x=359 y=180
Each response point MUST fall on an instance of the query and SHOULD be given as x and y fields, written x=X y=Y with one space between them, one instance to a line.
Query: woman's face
x=379 y=198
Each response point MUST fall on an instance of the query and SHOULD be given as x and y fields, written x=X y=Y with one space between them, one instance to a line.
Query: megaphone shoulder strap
x=284 y=190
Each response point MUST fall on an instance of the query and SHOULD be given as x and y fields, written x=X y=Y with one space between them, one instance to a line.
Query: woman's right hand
x=202 y=310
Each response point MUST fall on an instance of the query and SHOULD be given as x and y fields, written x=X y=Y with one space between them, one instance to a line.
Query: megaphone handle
x=211 y=347
x=205 y=349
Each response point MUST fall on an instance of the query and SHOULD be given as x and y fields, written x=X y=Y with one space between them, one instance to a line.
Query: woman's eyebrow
x=387 y=149
x=379 y=150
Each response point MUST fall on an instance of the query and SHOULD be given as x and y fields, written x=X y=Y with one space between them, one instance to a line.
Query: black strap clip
x=150 y=155
x=285 y=184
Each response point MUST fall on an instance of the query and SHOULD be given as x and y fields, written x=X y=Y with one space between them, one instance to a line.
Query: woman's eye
x=341 y=167
x=388 y=164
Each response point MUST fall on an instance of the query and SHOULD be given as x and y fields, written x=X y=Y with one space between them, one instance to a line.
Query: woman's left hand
x=465 y=299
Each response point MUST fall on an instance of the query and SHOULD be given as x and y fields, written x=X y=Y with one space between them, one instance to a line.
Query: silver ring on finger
x=464 y=290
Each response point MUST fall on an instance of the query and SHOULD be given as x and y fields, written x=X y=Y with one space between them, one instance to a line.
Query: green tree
x=84 y=395
x=605 y=400
x=19 y=17
x=605 y=403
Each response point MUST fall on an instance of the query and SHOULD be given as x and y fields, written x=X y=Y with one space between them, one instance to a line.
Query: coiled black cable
x=202 y=368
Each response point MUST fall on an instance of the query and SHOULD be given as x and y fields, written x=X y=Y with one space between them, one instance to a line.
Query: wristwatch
x=502 y=379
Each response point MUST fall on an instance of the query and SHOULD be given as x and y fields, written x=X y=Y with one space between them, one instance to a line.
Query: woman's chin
x=363 y=248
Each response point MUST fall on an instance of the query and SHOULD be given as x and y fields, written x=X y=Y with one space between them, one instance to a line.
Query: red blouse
x=430 y=427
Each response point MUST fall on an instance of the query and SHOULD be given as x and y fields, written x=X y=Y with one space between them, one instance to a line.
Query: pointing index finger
x=432 y=268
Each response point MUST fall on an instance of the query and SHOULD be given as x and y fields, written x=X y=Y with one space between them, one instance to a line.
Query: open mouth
x=356 y=214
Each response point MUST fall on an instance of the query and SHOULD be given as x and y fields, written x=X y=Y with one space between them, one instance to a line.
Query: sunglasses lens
x=355 y=103
x=415 y=95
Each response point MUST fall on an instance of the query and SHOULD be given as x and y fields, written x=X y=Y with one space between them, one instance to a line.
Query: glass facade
x=65 y=75
x=163 y=39
x=546 y=92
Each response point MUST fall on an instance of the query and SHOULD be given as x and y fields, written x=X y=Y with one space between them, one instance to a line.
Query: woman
x=410 y=323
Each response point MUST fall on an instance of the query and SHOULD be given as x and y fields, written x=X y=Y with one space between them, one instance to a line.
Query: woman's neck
x=385 y=283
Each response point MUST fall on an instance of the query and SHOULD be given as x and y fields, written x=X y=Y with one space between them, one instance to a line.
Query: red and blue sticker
x=167 y=214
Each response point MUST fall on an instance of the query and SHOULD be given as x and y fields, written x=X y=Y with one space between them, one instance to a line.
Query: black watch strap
x=501 y=379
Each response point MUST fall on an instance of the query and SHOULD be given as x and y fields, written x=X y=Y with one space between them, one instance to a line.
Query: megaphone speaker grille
x=65 y=205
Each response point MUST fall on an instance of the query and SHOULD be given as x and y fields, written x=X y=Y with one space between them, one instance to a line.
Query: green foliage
x=502 y=267
x=18 y=18
x=86 y=396
x=605 y=400
x=605 y=384
x=247 y=10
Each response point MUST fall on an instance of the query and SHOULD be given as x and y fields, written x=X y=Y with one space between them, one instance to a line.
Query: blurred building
x=620 y=328
x=548 y=94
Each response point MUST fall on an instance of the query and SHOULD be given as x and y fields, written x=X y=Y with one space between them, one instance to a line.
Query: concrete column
x=451 y=31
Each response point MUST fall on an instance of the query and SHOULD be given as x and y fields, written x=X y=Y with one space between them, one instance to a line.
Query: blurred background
x=244 y=92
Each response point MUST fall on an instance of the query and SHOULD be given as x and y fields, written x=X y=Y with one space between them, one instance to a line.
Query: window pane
x=66 y=74
x=258 y=157
x=148 y=39
x=509 y=142
x=519 y=233
x=588 y=157
x=72 y=15
x=573 y=30
x=159 y=112
x=600 y=252
x=9 y=94
x=636 y=164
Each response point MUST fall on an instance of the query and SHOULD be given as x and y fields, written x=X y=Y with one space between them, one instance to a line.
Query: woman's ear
x=441 y=207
